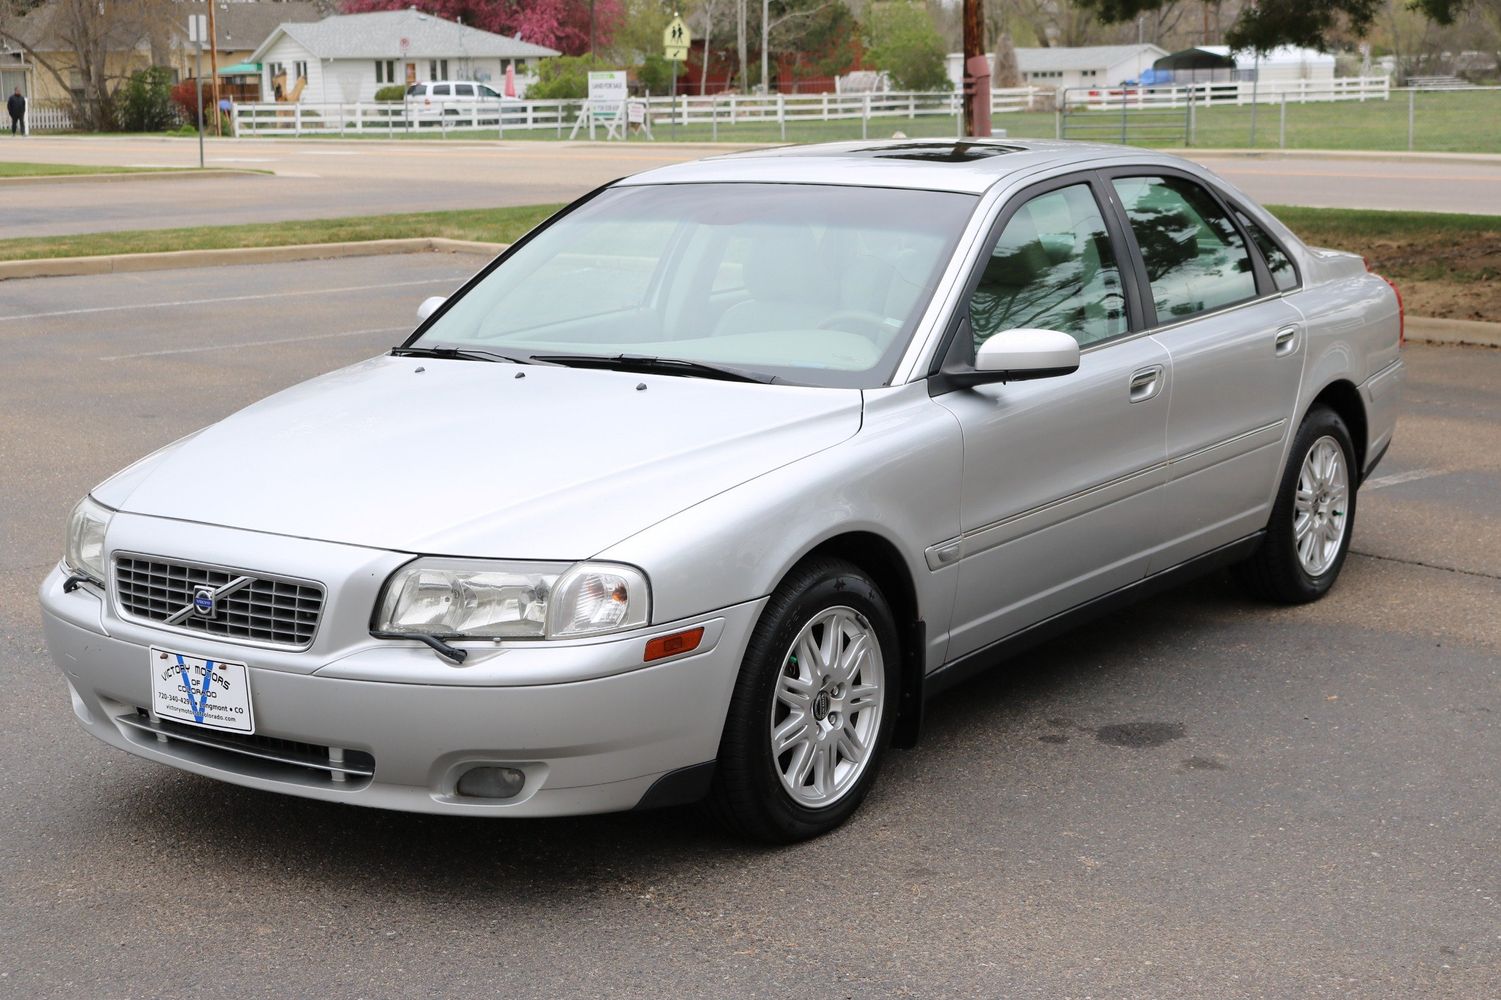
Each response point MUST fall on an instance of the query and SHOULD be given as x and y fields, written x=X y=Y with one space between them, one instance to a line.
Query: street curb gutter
x=1421 y=329
x=62 y=267
x=1458 y=332
x=167 y=173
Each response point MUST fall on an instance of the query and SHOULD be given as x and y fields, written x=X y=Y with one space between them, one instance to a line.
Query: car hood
x=481 y=459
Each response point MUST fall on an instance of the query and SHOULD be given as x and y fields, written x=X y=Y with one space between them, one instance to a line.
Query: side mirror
x=429 y=306
x=1015 y=355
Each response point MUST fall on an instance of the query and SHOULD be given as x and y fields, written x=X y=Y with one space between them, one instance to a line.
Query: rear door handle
x=1145 y=384
x=1287 y=341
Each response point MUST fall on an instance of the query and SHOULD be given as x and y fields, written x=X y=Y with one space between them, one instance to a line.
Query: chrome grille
x=252 y=608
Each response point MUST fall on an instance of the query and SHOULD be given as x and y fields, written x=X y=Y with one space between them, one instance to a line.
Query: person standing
x=17 y=108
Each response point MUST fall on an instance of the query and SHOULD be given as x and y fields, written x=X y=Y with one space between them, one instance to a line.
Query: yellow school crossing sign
x=675 y=41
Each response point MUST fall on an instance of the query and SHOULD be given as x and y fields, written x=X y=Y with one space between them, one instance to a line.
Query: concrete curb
x=171 y=173
x=1457 y=332
x=61 y=267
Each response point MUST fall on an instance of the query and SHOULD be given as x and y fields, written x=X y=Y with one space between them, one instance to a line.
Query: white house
x=349 y=57
x=1075 y=66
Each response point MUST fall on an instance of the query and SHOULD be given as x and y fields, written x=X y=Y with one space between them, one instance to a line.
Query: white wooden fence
x=712 y=111
x=49 y=116
x=1354 y=88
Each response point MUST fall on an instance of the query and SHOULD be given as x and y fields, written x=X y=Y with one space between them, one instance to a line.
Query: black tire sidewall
x=1320 y=422
x=746 y=758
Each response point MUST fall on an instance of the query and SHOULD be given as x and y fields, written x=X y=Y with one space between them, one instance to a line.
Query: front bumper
x=586 y=746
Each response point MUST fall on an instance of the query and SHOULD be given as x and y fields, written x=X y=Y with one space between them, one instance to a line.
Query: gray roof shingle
x=378 y=35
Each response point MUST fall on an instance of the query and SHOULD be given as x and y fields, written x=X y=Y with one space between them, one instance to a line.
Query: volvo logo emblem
x=204 y=604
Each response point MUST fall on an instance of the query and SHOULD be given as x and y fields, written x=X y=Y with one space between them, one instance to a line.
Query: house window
x=437 y=69
x=301 y=70
x=385 y=71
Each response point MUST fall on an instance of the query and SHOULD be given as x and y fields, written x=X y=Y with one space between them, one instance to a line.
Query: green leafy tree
x=1315 y=23
x=565 y=78
x=145 y=102
x=902 y=41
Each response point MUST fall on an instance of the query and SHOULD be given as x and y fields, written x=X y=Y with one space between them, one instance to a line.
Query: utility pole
x=765 y=45
x=976 y=71
x=213 y=62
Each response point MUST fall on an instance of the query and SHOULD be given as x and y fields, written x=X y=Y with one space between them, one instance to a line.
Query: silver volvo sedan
x=701 y=488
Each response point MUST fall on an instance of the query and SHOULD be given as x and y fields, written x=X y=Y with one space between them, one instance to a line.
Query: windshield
x=812 y=284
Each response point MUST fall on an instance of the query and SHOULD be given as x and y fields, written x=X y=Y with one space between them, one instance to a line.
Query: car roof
x=970 y=166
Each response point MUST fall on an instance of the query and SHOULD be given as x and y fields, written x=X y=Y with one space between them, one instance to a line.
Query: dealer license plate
x=213 y=694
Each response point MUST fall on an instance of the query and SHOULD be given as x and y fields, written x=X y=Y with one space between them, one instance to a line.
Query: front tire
x=813 y=707
x=1312 y=519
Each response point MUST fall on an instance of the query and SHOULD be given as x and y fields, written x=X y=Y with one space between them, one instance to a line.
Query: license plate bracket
x=195 y=691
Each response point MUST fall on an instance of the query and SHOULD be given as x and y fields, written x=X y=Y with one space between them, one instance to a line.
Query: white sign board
x=197 y=28
x=607 y=88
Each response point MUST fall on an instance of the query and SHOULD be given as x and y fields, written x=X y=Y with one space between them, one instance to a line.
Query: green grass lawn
x=10 y=168
x=494 y=225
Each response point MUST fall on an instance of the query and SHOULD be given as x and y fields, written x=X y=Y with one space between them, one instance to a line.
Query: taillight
x=1401 y=310
x=1401 y=313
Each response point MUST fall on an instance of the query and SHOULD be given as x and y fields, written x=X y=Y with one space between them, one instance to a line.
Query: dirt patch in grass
x=1457 y=276
x=1446 y=266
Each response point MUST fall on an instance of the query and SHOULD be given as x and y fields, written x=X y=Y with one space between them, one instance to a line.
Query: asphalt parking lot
x=1197 y=797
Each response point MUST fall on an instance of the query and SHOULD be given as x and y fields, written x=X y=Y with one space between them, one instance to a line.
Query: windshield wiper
x=460 y=353
x=655 y=366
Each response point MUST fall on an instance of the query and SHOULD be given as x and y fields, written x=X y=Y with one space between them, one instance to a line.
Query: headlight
x=85 y=551
x=489 y=600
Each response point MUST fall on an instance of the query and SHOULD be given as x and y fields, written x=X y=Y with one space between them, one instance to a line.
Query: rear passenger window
x=1194 y=257
x=1284 y=275
x=440 y=90
x=1052 y=268
x=463 y=90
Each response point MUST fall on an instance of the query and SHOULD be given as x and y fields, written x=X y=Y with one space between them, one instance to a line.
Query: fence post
x=714 y=117
x=1412 y=96
x=865 y=118
x=1193 y=120
x=782 y=114
x=297 y=119
x=1125 y=102
x=1188 y=117
x=1282 y=122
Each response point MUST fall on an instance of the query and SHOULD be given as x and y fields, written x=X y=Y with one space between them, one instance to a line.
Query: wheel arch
x=1343 y=398
x=879 y=557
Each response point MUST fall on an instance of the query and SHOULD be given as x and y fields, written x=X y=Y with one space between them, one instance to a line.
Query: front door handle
x=1287 y=341
x=1145 y=384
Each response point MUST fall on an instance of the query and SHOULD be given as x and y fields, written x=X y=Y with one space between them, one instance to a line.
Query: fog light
x=491 y=782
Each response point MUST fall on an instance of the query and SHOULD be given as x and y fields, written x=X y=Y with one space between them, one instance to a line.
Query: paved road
x=328 y=179
x=1198 y=797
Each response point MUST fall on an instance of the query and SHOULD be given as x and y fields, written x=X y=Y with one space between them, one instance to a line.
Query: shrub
x=565 y=78
x=145 y=103
x=392 y=92
x=185 y=98
x=655 y=74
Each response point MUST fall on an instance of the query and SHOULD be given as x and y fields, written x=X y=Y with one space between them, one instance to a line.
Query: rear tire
x=1312 y=519
x=813 y=707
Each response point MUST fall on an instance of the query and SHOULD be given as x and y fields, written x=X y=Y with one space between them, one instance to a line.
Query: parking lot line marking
x=252 y=343
x=1397 y=478
x=226 y=298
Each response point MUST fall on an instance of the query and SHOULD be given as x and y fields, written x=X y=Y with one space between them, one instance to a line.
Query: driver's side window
x=1052 y=268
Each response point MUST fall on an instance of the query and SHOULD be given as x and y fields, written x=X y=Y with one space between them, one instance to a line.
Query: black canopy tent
x=1195 y=66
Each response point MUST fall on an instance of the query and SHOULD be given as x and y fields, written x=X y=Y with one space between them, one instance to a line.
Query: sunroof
x=939 y=152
